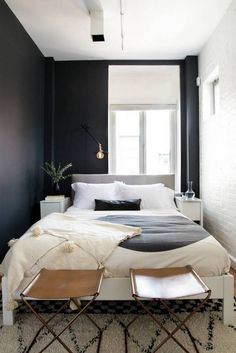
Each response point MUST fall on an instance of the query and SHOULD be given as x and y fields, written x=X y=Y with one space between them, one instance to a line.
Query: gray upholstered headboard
x=168 y=180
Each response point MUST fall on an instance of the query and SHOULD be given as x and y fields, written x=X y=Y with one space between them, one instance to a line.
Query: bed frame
x=222 y=287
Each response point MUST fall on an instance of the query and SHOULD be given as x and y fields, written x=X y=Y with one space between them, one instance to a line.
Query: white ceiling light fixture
x=96 y=20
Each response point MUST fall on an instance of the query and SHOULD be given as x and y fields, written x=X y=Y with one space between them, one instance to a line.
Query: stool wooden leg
x=39 y=317
x=57 y=336
x=170 y=334
x=40 y=329
x=48 y=327
x=69 y=324
x=186 y=327
x=182 y=323
x=95 y=324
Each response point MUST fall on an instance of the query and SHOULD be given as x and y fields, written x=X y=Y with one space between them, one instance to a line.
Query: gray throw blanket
x=159 y=233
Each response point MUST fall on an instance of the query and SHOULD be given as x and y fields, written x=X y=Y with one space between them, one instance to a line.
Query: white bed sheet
x=207 y=256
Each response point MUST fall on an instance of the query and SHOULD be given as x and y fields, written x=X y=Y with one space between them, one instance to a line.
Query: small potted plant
x=56 y=174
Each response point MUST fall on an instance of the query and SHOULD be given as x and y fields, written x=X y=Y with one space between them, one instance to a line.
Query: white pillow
x=154 y=196
x=85 y=194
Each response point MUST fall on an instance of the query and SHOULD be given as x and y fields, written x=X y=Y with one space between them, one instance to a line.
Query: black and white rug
x=207 y=328
x=122 y=307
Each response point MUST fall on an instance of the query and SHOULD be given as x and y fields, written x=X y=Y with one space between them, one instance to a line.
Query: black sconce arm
x=100 y=153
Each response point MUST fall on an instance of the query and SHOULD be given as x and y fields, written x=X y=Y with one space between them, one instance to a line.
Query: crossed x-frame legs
x=170 y=334
x=57 y=336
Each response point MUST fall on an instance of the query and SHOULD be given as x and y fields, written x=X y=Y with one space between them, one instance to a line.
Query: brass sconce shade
x=100 y=153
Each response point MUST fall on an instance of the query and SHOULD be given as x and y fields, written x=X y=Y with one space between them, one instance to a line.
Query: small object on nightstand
x=55 y=198
x=191 y=208
x=190 y=194
x=52 y=204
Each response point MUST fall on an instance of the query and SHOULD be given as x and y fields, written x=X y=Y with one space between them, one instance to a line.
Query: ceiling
x=153 y=29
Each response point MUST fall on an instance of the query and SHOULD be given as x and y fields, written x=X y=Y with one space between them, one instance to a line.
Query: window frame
x=211 y=100
x=142 y=108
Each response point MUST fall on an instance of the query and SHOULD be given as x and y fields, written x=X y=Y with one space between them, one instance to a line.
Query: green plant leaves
x=56 y=173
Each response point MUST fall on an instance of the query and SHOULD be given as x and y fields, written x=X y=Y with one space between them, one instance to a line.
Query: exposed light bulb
x=100 y=153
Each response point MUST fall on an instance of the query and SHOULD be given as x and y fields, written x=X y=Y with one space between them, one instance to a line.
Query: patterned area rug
x=207 y=328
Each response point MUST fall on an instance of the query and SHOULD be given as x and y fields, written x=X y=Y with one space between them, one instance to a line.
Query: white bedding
x=207 y=256
x=66 y=237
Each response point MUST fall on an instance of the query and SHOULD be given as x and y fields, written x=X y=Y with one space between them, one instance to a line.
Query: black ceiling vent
x=98 y=38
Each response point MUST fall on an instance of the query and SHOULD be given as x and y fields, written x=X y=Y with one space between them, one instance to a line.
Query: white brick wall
x=218 y=135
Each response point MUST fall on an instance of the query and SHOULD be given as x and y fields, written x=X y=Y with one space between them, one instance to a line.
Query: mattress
x=206 y=255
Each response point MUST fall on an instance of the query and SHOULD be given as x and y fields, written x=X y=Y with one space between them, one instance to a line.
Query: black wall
x=49 y=118
x=81 y=96
x=192 y=121
x=21 y=127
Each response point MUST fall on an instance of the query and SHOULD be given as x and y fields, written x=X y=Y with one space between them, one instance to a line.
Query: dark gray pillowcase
x=117 y=205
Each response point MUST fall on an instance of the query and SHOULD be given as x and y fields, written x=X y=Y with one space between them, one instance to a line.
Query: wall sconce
x=100 y=154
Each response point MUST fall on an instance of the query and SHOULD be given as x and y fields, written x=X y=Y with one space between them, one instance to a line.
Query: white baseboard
x=233 y=262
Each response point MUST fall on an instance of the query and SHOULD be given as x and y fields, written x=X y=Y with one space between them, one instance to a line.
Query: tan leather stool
x=63 y=284
x=167 y=284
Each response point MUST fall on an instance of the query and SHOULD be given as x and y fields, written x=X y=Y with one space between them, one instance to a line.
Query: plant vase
x=56 y=189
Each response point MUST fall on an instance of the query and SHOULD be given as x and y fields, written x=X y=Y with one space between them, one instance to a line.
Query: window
x=211 y=95
x=142 y=140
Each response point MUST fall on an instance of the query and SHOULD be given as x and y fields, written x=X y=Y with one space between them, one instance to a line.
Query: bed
x=206 y=256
